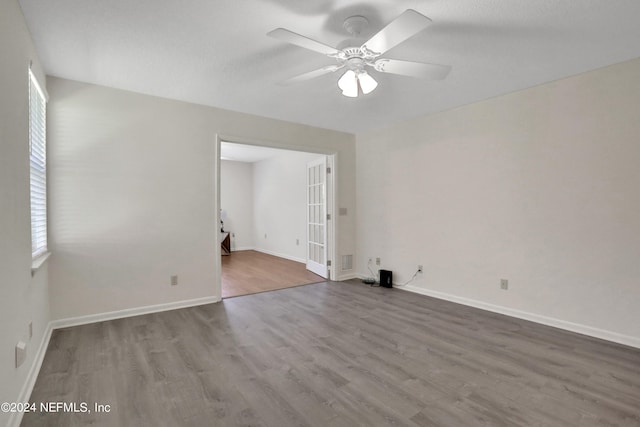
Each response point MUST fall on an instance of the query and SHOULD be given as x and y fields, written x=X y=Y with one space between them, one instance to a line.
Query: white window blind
x=38 y=161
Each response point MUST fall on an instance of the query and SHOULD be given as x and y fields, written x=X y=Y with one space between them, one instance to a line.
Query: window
x=38 y=162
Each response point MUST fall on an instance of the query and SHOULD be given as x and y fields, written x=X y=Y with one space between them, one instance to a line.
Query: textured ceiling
x=216 y=53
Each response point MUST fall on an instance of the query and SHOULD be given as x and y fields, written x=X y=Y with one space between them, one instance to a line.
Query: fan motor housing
x=356 y=57
x=355 y=63
x=353 y=52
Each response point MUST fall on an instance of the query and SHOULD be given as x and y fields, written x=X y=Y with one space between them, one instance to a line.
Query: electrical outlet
x=297 y=242
x=377 y=260
x=504 y=284
x=265 y=235
x=370 y=260
x=174 y=280
x=21 y=353
x=30 y=330
x=419 y=269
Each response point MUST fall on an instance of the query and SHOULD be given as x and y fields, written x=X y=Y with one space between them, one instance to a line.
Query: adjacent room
x=266 y=218
x=334 y=213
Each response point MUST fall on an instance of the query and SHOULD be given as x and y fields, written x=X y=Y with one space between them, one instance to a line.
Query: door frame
x=332 y=199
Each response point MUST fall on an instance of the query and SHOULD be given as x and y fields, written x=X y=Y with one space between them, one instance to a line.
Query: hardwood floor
x=336 y=354
x=250 y=272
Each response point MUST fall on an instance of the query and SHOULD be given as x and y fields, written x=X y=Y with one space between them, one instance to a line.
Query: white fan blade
x=400 y=29
x=311 y=75
x=302 y=41
x=412 y=69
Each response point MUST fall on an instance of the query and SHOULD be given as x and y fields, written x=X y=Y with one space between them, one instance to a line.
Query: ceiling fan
x=355 y=59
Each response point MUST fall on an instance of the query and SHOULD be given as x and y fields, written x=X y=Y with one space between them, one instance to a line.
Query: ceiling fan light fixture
x=356 y=59
x=352 y=83
x=367 y=83
x=348 y=83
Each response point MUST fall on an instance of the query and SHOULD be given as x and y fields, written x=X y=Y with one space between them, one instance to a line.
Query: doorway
x=276 y=216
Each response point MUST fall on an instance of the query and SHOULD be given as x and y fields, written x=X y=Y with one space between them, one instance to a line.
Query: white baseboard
x=537 y=318
x=16 y=417
x=243 y=248
x=289 y=257
x=347 y=276
x=129 y=312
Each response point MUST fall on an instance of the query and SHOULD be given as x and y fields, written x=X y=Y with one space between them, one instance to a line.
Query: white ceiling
x=247 y=153
x=216 y=53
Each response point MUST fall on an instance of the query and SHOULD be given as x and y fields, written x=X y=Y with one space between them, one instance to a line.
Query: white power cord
x=399 y=285
x=374 y=276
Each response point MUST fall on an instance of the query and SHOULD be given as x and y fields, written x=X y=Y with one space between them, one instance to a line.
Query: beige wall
x=267 y=197
x=131 y=184
x=23 y=298
x=541 y=187
x=236 y=199
x=280 y=204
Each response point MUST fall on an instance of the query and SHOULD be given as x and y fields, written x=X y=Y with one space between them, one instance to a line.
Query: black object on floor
x=386 y=278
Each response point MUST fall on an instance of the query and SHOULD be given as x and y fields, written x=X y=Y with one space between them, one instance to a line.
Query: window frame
x=38 y=170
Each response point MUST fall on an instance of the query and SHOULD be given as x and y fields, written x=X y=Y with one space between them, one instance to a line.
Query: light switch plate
x=21 y=353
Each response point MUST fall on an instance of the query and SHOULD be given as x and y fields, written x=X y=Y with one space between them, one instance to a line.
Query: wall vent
x=347 y=262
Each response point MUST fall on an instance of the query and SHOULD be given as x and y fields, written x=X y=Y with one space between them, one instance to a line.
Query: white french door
x=317 y=217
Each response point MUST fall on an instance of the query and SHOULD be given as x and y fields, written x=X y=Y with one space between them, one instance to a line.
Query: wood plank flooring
x=250 y=272
x=336 y=354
